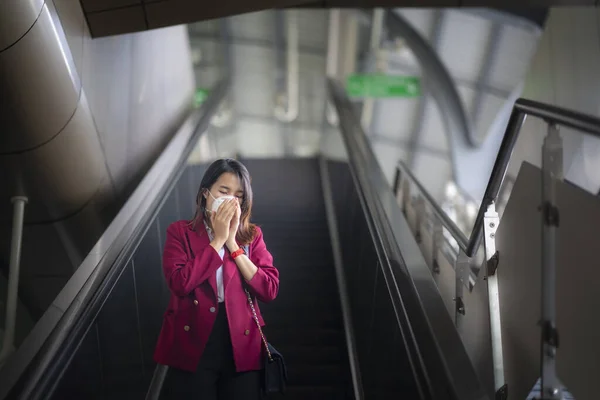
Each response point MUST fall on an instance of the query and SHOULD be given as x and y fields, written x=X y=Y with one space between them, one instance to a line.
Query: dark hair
x=247 y=230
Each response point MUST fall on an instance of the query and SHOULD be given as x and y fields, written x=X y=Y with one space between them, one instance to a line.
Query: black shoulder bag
x=274 y=372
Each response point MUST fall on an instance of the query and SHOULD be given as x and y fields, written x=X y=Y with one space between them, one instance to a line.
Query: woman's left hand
x=233 y=227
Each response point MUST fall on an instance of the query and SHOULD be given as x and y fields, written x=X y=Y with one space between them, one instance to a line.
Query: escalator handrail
x=523 y=108
x=47 y=363
x=552 y=115
x=435 y=375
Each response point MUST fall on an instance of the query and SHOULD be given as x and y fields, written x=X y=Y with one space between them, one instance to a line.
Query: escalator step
x=300 y=335
x=326 y=305
x=314 y=354
x=316 y=375
x=303 y=318
x=313 y=393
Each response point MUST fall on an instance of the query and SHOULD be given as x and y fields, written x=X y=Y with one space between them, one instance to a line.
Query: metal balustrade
x=446 y=242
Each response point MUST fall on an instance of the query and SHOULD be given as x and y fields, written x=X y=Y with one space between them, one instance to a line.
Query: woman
x=209 y=338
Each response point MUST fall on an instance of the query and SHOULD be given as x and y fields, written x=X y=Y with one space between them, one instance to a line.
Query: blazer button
x=212 y=309
x=247 y=332
x=195 y=302
x=186 y=328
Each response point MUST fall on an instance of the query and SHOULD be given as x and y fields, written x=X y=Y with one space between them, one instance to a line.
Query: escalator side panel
x=84 y=374
x=152 y=293
x=119 y=339
x=382 y=355
x=115 y=359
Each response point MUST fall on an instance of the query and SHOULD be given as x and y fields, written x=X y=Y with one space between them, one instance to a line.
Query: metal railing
x=522 y=109
x=487 y=221
x=439 y=363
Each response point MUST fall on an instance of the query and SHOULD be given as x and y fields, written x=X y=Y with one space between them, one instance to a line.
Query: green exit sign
x=200 y=96
x=383 y=86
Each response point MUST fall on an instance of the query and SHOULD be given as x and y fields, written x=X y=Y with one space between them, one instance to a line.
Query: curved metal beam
x=446 y=95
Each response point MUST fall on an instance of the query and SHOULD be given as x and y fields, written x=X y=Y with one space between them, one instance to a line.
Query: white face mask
x=218 y=201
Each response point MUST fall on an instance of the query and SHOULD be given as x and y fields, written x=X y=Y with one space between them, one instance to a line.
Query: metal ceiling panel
x=117 y=21
x=176 y=12
x=103 y=5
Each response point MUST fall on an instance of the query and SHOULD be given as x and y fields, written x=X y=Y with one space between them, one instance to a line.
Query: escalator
x=348 y=317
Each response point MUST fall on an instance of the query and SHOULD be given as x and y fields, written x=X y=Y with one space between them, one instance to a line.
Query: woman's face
x=228 y=184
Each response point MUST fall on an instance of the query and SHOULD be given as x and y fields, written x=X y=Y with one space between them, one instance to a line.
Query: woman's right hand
x=220 y=221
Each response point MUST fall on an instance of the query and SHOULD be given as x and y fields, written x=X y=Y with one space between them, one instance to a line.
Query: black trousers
x=215 y=378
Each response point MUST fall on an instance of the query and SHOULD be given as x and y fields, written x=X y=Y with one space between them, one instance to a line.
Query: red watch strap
x=237 y=253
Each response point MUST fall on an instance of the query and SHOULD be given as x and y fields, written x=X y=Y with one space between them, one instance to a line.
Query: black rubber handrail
x=523 y=108
x=35 y=384
x=432 y=375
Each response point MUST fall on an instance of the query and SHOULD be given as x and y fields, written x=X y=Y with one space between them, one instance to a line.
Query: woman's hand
x=221 y=221
x=233 y=227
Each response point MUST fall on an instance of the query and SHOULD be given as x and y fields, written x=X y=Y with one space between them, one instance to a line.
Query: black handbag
x=274 y=373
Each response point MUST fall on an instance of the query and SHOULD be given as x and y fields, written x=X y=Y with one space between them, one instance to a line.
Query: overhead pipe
x=280 y=52
x=13 y=277
x=225 y=113
x=286 y=109
x=333 y=54
x=375 y=52
x=446 y=95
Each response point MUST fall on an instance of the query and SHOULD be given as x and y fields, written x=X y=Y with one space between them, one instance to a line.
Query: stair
x=305 y=321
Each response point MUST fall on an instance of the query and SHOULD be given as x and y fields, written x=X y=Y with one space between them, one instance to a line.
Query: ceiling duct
x=50 y=151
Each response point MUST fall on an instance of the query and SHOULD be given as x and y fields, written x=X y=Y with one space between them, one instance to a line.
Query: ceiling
x=113 y=17
x=486 y=53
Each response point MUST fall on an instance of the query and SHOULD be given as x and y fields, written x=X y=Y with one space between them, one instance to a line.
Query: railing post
x=552 y=171
x=419 y=218
x=462 y=270
x=437 y=237
x=13 y=277
x=490 y=225
x=405 y=192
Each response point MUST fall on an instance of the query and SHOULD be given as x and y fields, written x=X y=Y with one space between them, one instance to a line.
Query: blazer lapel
x=198 y=239
x=229 y=269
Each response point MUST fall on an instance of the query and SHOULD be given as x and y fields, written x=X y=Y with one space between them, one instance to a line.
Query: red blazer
x=191 y=277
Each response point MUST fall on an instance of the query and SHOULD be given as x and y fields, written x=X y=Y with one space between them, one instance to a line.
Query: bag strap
x=262 y=335
x=254 y=316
